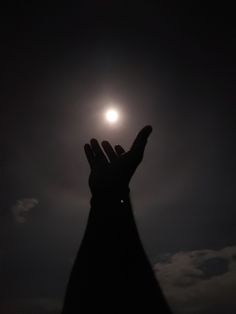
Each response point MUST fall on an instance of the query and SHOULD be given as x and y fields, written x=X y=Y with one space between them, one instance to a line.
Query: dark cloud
x=202 y=281
x=214 y=266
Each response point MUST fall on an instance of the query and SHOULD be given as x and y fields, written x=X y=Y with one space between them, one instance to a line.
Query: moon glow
x=112 y=115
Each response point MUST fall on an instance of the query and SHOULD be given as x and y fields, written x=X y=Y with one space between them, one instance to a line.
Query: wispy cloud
x=201 y=282
x=21 y=209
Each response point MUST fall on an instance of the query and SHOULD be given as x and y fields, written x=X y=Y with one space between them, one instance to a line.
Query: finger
x=109 y=150
x=119 y=150
x=141 y=140
x=97 y=150
x=89 y=154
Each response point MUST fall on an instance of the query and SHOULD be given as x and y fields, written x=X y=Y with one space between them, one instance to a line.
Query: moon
x=112 y=115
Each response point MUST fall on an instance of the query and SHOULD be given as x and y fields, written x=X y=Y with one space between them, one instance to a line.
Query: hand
x=112 y=172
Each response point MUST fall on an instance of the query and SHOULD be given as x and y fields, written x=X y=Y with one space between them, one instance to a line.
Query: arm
x=111 y=273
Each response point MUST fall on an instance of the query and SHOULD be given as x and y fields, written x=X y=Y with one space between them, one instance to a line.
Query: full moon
x=112 y=116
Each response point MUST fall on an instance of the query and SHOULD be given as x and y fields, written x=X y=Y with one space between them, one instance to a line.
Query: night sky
x=168 y=66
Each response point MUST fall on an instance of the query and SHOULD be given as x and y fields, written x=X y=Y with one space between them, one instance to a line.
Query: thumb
x=140 y=141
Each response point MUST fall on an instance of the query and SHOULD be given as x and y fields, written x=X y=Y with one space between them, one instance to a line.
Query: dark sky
x=168 y=66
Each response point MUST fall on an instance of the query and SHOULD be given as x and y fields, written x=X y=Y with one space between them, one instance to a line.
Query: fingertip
x=87 y=148
x=93 y=140
x=148 y=129
x=104 y=142
x=119 y=149
x=145 y=132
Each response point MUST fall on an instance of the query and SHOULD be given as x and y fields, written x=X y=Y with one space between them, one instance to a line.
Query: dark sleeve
x=112 y=273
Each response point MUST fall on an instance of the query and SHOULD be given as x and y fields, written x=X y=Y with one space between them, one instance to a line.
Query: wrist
x=110 y=197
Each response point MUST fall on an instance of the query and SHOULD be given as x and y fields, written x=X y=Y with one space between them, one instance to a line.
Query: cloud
x=200 y=282
x=22 y=208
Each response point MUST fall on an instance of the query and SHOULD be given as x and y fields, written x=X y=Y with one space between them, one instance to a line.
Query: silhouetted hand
x=112 y=169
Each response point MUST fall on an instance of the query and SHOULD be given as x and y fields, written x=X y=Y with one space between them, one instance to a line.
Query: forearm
x=111 y=225
x=112 y=240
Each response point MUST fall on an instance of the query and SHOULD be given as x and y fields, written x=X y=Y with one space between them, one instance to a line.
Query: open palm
x=112 y=169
